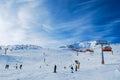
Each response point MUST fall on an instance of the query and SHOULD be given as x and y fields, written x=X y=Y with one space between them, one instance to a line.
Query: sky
x=56 y=22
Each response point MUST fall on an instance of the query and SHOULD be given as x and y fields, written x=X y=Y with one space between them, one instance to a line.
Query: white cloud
x=47 y=27
x=17 y=23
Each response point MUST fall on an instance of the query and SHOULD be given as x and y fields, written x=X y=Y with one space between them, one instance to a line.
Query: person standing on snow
x=21 y=66
x=7 y=66
x=76 y=67
x=55 y=67
x=71 y=69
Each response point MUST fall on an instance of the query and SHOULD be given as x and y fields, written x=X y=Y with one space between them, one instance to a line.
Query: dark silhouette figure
x=55 y=67
x=76 y=68
x=71 y=69
x=21 y=66
x=6 y=66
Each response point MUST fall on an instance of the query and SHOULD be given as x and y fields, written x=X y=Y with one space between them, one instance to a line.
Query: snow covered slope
x=39 y=64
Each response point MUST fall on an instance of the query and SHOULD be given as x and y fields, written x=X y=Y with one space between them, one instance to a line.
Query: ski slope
x=39 y=65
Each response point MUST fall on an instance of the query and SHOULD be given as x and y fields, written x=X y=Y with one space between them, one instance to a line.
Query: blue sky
x=56 y=22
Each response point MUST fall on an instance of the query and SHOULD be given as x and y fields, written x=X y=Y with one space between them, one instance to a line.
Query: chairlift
x=107 y=48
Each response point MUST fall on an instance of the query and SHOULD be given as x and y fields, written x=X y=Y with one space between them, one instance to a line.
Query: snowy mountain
x=83 y=44
x=20 y=47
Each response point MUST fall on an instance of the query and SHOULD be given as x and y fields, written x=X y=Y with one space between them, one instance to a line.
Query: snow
x=39 y=64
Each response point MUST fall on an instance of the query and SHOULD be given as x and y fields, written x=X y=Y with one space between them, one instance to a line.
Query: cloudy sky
x=51 y=22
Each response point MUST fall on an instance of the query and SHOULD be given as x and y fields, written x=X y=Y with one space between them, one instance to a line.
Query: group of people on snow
x=15 y=66
x=75 y=68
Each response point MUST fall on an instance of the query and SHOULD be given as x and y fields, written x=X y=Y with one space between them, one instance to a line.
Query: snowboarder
x=71 y=69
x=21 y=66
x=55 y=67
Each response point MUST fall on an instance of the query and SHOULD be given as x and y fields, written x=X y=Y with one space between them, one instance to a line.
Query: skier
x=7 y=66
x=76 y=68
x=71 y=69
x=55 y=67
x=21 y=66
